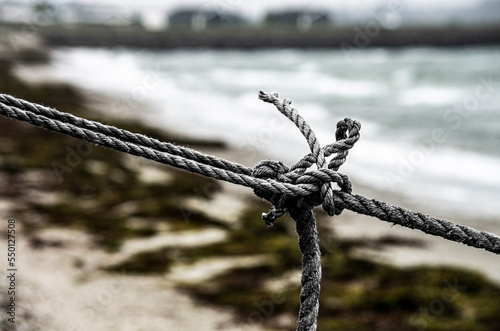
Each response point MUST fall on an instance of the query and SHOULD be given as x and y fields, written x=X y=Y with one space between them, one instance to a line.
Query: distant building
x=200 y=19
x=301 y=19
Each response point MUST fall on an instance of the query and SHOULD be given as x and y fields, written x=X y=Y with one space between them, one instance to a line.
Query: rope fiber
x=295 y=190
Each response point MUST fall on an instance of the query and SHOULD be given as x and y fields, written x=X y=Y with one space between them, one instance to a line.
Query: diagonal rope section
x=123 y=135
x=425 y=223
x=294 y=190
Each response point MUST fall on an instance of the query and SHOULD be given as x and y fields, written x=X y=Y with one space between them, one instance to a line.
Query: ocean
x=430 y=116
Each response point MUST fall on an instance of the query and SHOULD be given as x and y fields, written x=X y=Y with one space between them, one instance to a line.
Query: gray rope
x=425 y=223
x=301 y=189
x=317 y=153
x=305 y=224
x=294 y=190
x=123 y=135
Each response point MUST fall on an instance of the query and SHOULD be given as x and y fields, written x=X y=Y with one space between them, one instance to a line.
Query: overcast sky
x=256 y=8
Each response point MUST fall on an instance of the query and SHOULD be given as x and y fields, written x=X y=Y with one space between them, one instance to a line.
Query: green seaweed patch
x=408 y=299
x=192 y=220
x=156 y=262
x=183 y=184
x=32 y=55
x=106 y=220
x=165 y=202
x=243 y=289
x=253 y=237
x=357 y=294
x=109 y=231
x=96 y=183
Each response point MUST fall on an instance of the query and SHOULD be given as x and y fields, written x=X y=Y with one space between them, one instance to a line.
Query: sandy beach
x=63 y=263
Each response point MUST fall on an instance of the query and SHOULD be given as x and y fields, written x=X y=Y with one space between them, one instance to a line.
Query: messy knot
x=321 y=180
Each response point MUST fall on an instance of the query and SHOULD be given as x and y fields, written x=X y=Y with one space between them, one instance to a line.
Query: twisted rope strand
x=301 y=189
x=311 y=267
x=293 y=115
x=123 y=135
x=341 y=147
x=425 y=223
x=295 y=189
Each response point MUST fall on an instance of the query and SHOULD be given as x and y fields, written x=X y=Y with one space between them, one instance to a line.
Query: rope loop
x=347 y=134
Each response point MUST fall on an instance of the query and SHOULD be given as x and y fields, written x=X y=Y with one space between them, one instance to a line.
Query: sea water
x=430 y=116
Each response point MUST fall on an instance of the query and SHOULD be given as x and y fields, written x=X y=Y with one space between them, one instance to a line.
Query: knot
x=276 y=170
x=315 y=179
x=270 y=169
x=319 y=181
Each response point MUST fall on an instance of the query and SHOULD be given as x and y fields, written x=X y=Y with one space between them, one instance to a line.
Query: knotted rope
x=301 y=208
x=296 y=174
x=294 y=190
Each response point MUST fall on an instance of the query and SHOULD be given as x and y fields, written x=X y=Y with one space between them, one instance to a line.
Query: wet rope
x=295 y=190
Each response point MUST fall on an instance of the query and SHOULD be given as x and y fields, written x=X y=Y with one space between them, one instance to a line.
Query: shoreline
x=348 y=225
x=166 y=267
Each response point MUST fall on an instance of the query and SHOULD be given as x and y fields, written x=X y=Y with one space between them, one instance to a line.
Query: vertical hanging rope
x=301 y=209
x=305 y=224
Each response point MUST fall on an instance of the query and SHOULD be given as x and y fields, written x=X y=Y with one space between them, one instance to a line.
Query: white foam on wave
x=430 y=96
x=306 y=81
x=446 y=178
x=204 y=96
x=98 y=68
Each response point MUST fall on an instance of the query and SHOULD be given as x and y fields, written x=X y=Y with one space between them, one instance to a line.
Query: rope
x=318 y=154
x=294 y=190
x=123 y=135
x=425 y=223
x=311 y=267
x=209 y=169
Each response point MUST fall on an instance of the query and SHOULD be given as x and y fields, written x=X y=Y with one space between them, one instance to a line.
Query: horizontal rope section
x=123 y=135
x=309 y=183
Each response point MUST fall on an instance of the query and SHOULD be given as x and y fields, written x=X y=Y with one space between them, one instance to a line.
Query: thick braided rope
x=305 y=224
x=123 y=135
x=415 y=220
x=302 y=189
x=341 y=147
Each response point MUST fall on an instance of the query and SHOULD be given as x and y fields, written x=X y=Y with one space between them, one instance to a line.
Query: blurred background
x=422 y=77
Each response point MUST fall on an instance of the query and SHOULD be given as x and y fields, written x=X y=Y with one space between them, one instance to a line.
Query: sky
x=256 y=8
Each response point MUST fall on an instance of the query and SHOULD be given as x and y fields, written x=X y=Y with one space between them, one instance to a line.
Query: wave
x=399 y=98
